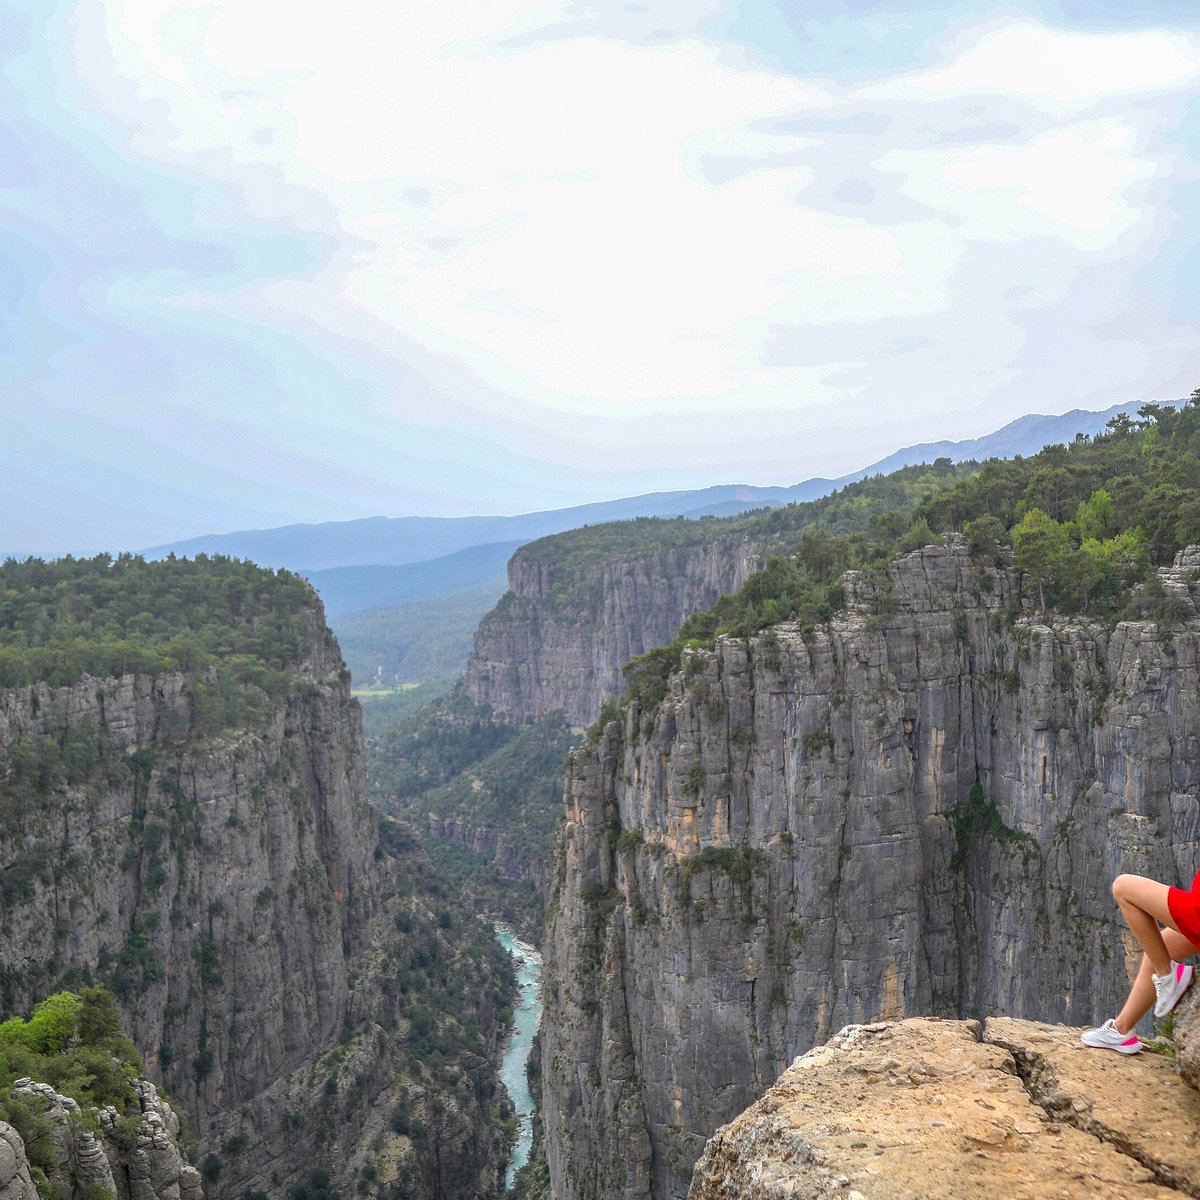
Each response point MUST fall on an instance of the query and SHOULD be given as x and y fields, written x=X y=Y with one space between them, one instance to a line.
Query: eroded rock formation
x=134 y=1157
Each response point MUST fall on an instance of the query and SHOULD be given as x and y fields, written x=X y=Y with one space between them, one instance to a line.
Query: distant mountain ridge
x=397 y=541
x=357 y=589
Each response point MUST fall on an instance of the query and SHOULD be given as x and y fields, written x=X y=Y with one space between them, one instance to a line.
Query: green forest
x=106 y=616
x=567 y=557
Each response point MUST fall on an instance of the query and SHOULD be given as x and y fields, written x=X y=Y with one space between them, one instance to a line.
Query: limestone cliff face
x=136 y=1157
x=558 y=639
x=220 y=884
x=915 y=809
x=228 y=883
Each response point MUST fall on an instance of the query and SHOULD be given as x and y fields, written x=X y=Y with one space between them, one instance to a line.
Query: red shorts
x=1185 y=910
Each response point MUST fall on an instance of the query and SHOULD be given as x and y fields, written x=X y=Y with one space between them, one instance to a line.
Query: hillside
x=413 y=643
x=485 y=792
x=397 y=540
x=347 y=591
x=405 y=595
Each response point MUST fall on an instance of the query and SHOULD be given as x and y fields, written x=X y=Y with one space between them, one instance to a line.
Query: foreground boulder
x=952 y=1109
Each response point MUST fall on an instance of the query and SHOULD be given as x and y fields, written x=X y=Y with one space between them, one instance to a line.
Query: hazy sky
x=268 y=261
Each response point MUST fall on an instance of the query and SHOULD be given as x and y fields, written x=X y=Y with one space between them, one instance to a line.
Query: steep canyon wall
x=558 y=639
x=227 y=881
x=916 y=808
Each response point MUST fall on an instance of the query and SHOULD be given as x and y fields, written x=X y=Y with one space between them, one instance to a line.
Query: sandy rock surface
x=947 y=1109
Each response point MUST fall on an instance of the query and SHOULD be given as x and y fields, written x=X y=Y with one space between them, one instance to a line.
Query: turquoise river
x=526 y=1016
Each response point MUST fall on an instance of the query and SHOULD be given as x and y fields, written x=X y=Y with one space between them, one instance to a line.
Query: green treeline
x=568 y=556
x=1088 y=520
x=1085 y=523
x=107 y=616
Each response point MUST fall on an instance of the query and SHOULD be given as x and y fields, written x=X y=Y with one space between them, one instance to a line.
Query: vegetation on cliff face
x=443 y=1118
x=569 y=557
x=132 y=836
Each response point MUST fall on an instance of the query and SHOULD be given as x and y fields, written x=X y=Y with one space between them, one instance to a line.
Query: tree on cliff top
x=72 y=1041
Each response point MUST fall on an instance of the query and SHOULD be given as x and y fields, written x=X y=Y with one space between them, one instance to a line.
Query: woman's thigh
x=1147 y=894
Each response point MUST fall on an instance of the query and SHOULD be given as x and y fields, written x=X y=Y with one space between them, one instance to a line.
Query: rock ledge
x=951 y=1110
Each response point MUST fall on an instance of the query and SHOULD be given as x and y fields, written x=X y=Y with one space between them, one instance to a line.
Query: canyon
x=558 y=639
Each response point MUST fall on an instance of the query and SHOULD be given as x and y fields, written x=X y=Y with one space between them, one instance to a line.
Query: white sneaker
x=1109 y=1037
x=1170 y=988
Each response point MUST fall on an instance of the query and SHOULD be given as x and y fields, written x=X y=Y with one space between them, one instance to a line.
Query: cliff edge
x=957 y=1109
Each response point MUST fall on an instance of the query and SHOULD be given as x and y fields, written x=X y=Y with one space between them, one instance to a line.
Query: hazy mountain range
x=404 y=594
x=394 y=541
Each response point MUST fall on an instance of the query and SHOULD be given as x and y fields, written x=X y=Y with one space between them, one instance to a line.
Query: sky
x=281 y=261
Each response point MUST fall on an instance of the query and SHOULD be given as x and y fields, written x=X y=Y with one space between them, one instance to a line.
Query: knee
x=1120 y=887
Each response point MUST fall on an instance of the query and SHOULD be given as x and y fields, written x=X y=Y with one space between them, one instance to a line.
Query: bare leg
x=1141 y=995
x=1144 y=906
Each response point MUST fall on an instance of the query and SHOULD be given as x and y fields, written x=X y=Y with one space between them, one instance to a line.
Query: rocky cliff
x=558 y=639
x=916 y=808
x=950 y=1110
x=211 y=856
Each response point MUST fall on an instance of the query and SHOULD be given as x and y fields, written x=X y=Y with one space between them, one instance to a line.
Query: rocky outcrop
x=133 y=1156
x=915 y=808
x=946 y=1110
x=16 y=1183
x=221 y=871
x=559 y=637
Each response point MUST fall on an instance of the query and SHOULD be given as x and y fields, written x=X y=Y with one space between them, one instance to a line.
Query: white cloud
x=1062 y=67
x=536 y=208
x=1075 y=184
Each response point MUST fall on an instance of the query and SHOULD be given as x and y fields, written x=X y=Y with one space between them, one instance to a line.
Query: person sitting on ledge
x=1166 y=922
